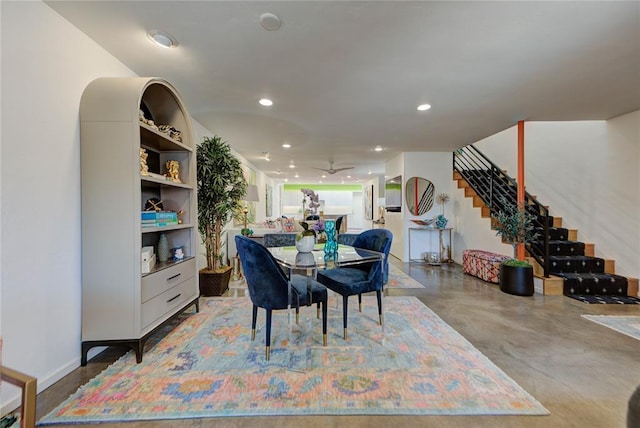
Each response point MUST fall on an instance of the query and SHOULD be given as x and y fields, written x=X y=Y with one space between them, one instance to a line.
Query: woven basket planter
x=215 y=283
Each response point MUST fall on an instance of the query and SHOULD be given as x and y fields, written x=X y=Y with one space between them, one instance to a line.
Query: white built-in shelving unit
x=120 y=304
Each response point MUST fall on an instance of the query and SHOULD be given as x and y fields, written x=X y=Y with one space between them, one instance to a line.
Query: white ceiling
x=346 y=76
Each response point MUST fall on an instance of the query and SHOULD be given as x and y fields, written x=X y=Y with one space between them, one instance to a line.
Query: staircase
x=562 y=263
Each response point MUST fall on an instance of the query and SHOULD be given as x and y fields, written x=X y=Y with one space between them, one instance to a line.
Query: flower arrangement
x=318 y=227
x=442 y=199
x=314 y=202
x=441 y=220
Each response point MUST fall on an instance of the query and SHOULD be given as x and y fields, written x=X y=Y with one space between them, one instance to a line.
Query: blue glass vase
x=331 y=244
x=441 y=222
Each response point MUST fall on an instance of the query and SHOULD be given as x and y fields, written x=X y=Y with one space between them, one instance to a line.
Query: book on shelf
x=159 y=223
x=159 y=215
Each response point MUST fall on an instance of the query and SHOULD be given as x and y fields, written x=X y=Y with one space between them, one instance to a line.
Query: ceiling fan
x=331 y=170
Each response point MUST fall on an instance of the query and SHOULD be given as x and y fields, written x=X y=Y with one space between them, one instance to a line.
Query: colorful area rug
x=614 y=300
x=208 y=367
x=629 y=325
x=397 y=279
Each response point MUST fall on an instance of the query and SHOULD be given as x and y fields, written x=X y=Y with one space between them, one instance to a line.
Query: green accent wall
x=325 y=187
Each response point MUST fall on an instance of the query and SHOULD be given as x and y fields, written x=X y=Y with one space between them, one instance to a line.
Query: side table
x=444 y=245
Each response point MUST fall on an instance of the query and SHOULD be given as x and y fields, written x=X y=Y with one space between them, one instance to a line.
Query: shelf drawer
x=167 y=302
x=163 y=280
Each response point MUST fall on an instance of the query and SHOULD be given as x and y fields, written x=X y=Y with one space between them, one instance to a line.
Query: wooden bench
x=483 y=264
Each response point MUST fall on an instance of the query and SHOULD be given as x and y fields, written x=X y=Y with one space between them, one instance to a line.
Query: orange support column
x=520 y=250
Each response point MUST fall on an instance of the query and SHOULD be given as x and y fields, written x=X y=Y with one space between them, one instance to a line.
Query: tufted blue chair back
x=268 y=286
x=347 y=238
x=279 y=239
x=376 y=240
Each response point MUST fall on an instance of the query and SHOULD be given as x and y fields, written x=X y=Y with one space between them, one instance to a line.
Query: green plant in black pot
x=221 y=186
x=515 y=226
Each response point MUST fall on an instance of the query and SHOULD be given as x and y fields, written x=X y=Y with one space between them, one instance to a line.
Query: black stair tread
x=562 y=248
x=576 y=264
x=574 y=258
x=594 y=283
x=555 y=233
x=600 y=276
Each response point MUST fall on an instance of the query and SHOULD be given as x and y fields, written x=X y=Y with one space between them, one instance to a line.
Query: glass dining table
x=292 y=260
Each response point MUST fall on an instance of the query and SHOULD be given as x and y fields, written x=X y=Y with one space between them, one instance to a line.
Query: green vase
x=163 y=248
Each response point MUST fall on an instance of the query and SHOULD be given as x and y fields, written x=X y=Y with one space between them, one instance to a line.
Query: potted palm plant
x=515 y=226
x=221 y=186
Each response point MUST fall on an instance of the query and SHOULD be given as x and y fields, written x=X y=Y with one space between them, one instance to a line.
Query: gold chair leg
x=253 y=334
x=345 y=334
x=324 y=339
x=318 y=312
x=360 y=306
x=380 y=319
x=268 y=352
x=297 y=317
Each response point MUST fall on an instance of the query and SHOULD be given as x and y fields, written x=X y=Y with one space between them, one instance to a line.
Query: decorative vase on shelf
x=331 y=244
x=163 y=248
x=441 y=222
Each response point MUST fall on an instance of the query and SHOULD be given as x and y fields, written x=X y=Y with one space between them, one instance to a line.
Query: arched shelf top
x=119 y=99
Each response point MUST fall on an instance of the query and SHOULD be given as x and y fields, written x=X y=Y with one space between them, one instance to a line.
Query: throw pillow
x=289 y=224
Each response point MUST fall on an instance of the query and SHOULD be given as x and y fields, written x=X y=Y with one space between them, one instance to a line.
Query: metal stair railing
x=491 y=184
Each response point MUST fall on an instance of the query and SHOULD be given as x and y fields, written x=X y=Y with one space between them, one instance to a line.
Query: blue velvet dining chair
x=350 y=239
x=359 y=279
x=269 y=287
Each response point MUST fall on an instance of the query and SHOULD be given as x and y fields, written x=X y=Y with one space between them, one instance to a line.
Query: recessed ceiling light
x=378 y=149
x=424 y=107
x=266 y=156
x=265 y=102
x=162 y=39
x=369 y=172
x=291 y=165
x=296 y=176
x=270 y=21
x=286 y=180
x=286 y=145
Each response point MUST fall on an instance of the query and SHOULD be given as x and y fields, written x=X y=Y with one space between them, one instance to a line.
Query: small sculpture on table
x=331 y=244
x=173 y=170
x=144 y=168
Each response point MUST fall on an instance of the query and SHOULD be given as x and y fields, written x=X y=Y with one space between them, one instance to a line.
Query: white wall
x=394 y=222
x=46 y=64
x=435 y=167
x=588 y=173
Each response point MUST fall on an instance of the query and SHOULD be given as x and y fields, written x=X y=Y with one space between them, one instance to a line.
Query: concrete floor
x=581 y=372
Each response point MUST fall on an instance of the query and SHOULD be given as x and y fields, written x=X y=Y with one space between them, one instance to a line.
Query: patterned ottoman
x=482 y=264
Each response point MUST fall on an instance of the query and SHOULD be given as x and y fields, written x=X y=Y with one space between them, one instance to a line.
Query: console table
x=444 y=245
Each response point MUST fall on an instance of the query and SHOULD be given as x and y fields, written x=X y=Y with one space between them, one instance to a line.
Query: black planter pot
x=516 y=280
